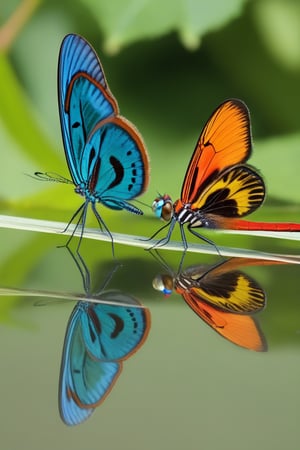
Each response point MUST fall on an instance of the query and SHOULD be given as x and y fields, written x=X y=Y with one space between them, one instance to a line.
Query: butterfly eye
x=163 y=283
x=163 y=207
x=167 y=211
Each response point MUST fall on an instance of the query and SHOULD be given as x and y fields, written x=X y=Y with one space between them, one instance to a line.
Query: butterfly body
x=105 y=153
x=220 y=286
x=98 y=339
x=219 y=188
x=249 y=225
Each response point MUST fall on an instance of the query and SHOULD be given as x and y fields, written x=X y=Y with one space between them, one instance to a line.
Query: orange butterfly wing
x=223 y=287
x=242 y=330
x=224 y=141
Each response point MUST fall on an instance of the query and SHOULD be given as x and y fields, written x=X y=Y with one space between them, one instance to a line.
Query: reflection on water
x=223 y=296
x=103 y=330
x=164 y=384
x=98 y=339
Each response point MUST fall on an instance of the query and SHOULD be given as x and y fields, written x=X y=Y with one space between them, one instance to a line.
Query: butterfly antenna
x=49 y=176
x=102 y=224
x=142 y=203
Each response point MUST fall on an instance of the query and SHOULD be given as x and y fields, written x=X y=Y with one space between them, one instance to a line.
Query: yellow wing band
x=236 y=192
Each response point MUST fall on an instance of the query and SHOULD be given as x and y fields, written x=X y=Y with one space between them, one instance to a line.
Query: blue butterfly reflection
x=98 y=339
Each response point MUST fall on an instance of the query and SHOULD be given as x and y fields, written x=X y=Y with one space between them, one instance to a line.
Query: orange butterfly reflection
x=224 y=297
x=218 y=187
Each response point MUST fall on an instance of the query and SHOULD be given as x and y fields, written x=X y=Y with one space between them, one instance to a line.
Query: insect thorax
x=183 y=282
x=83 y=190
x=183 y=213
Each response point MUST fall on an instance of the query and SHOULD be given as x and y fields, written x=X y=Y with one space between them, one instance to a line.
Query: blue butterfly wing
x=116 y=162
x=84 y=381
x=77 y=55
x=83 y=96
x=112 y=332
x=105 y=153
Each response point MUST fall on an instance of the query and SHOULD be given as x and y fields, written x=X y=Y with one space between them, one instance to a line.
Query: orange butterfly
x=218 y=186
x=223 y=297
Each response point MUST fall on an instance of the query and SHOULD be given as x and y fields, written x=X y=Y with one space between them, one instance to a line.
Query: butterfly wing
x=84 y=381
x=112 y=332
x=224 y=141
x=241 y=330
x=77 y=55
x=105 y=153
x=231 y=291
x=116 y=162
x=235 y=192
x=83 y=96
x=98 y=338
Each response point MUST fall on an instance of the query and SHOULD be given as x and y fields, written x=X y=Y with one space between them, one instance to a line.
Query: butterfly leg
x=108 y=278
x=83 y=269
x=166 y=239
x=81 y=213
x=183 y=238
x=203 y=238
x=161 y=261
x=102 y=224
x=159 y=258
x=73 y=217
x=86 y=276
x=156 y=232
x=82 y=221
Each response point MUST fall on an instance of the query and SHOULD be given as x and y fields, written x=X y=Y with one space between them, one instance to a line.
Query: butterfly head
x=163 y=283
x=163 y=207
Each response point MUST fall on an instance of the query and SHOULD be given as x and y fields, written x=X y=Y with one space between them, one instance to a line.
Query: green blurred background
x=169 y=64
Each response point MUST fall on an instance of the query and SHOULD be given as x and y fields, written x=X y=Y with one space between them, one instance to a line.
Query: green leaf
x=130 y=21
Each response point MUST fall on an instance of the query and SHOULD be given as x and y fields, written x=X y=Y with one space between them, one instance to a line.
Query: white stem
x=45 y=226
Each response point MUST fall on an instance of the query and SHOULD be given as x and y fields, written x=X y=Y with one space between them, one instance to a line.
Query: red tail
x=263 y=226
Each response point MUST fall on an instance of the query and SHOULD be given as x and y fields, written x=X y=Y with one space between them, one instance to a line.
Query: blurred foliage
x=169 y=64
x=130 y=21
x=240 y=49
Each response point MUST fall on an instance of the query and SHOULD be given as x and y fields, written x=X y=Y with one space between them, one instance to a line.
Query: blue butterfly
x=106 y=156
x=98 y=338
